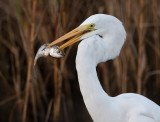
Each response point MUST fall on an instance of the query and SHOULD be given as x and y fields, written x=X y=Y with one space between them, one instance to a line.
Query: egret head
x=107 y=27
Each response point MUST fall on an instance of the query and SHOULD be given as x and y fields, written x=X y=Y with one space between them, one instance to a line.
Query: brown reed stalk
x=34 y=104
x=49 y=111
x=56 y=100
x=16 y=79
x=140 y=48
x=156 y=39
x=27 y=90
x=55 y=95
x=30 y=64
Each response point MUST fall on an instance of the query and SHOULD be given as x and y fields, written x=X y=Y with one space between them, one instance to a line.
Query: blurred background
x=55 y=96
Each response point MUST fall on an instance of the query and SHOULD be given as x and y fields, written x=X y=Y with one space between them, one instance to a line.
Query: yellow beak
x=73 y=36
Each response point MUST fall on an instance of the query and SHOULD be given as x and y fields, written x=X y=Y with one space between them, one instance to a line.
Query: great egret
x=102 y=39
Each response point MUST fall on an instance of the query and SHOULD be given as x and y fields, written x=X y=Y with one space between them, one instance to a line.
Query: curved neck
x=86 y=61
x=93 y=94
x=88 y=79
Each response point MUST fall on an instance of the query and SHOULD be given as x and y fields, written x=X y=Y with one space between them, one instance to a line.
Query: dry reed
x=55 y=95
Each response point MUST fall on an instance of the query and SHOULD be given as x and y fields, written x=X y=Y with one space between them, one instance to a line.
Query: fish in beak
x=73 y=36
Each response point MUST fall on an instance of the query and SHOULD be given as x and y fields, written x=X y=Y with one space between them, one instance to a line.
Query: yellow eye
x=59 y=51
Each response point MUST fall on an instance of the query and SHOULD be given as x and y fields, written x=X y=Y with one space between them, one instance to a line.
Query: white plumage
x=128 y=107
x=103 y=42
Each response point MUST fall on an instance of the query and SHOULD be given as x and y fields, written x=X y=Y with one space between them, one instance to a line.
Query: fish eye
x=59 y=51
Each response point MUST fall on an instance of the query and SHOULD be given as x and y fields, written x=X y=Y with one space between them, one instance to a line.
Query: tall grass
x=55 y=95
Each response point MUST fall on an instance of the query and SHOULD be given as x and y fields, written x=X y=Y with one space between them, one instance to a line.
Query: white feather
x=92 y=50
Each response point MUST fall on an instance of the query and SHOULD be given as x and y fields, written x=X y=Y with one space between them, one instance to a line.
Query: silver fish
x=53 y=51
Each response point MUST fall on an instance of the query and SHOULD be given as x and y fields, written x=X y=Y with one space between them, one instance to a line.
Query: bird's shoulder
x=138 y=104
x=134 y=98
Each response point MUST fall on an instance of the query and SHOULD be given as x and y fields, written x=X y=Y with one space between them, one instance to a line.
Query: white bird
x=102 y=39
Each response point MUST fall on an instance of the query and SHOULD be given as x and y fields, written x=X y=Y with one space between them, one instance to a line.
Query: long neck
x=88 y=80
x=93 y=94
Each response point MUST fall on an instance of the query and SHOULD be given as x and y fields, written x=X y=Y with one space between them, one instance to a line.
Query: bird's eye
x=92 y=25
x=58 y=51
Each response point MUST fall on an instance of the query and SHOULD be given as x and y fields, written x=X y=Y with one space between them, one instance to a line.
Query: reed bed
x=55 y=95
